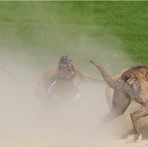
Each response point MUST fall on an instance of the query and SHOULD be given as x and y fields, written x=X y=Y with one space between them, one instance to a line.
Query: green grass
x=43 y=31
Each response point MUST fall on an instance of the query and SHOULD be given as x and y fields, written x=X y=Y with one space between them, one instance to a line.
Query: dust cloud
x=28 y=120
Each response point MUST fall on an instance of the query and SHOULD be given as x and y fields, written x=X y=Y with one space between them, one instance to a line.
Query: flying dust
x=26 y=119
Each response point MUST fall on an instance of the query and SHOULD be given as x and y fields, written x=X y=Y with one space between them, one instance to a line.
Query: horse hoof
x=134 y=138
x=130 y=139
x=139 y=139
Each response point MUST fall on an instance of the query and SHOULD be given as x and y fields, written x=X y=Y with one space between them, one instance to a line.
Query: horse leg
x=142 y=112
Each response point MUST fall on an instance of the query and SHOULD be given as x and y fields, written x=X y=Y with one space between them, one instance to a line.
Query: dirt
x=27 y=120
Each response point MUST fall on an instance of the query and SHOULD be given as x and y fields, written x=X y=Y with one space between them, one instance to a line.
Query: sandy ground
x=28 y=121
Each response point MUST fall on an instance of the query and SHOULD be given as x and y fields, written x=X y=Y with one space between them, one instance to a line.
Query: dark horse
x=132 y=84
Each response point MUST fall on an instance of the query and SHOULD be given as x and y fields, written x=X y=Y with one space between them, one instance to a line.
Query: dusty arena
x=27 y=119
x=34 y=35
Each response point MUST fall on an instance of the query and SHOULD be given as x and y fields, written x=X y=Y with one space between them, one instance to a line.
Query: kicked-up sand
x=28 y=120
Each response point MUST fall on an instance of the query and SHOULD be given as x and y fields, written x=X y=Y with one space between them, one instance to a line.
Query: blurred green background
x=38 y=33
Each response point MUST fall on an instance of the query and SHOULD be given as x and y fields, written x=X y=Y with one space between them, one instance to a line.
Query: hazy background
x=34 y=35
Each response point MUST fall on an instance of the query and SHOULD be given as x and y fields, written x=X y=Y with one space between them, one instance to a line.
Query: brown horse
x=132 y=84
x=59 y=83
